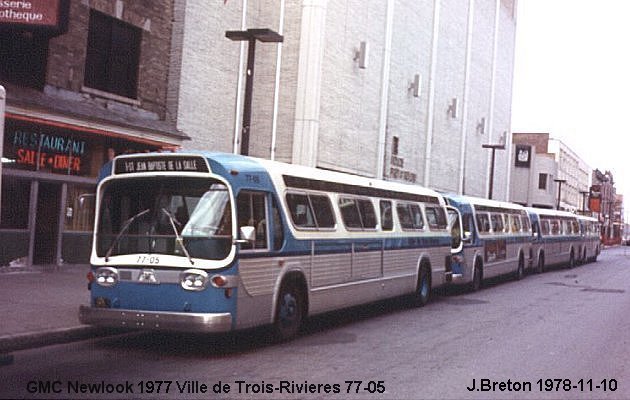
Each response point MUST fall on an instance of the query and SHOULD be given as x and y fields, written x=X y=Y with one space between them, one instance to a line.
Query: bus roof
x=227 y=164
x=479 y=201
x=551 y=212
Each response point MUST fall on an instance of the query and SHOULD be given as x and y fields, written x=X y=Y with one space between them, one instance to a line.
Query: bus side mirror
x=247 y=234
x=467 y=237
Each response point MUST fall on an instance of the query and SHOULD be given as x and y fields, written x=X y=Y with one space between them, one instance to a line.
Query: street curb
x=22 y=341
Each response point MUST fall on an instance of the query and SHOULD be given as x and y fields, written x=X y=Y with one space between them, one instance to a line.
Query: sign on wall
x=50 y=15
x=523 y=156
x=39 y=148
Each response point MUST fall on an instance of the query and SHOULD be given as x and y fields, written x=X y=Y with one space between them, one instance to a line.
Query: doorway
x=47 y=223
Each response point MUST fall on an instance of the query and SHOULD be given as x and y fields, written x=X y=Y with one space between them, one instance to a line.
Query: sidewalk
x=40 y=307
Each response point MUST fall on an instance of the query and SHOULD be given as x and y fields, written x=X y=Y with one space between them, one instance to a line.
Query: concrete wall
x=336 y=115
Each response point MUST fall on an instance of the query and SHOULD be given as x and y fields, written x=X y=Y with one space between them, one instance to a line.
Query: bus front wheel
x=289 y=312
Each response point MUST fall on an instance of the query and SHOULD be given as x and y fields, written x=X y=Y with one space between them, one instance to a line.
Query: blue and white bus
x=212 y=242
x=496 y=240
x=591 y=242
x=557 y=238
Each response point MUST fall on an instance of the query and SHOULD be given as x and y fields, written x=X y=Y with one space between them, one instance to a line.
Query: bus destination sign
x=162 y=163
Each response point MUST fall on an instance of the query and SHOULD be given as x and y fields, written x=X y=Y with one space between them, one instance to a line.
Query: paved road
x=563 y=324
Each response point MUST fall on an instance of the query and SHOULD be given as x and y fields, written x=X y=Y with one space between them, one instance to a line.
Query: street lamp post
x=494 y=147
x=560 y=182
x=251 y=36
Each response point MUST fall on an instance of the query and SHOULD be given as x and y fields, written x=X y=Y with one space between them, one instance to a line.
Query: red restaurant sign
x=47 y=14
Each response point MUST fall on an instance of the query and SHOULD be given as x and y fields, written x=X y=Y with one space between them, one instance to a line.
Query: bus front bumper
x=156 y=320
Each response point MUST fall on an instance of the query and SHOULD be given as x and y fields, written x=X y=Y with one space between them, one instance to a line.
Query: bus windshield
x=181 y=216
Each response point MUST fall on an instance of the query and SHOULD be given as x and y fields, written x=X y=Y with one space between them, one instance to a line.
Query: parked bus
x=212 y=242
x=557 y=238
x=591 y=245
x=496 y=240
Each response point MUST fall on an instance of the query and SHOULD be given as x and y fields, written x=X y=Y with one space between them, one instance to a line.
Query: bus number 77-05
x=148 y=260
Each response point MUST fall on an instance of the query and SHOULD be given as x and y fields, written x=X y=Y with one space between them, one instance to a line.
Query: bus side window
x=544 y=227
x=300 y=209
x=483 y=223
x=497 y=222
x=350 y=213
x=435 y=217
x=525 y=223
x=251 y=210
x=387 y=219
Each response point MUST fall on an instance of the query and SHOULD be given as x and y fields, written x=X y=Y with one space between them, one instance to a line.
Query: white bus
x=557 y=238
x=591 y=242
x=213 y=242
x=496 y=239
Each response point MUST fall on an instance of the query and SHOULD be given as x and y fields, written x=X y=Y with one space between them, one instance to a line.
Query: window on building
x=542 y=181
x=23 y=58
x=113 y=55
x=15 y=203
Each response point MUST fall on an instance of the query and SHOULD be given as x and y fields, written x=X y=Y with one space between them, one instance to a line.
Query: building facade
x=543 y=166
x=575 y=173
x=84 y=80
x=397 y=89
x=534 y=171
x=607 y=205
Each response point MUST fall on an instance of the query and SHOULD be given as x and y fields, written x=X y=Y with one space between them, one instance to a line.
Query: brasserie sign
x=38 y=14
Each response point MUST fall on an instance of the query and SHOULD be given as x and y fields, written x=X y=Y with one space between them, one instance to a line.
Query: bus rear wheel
x=571 y=260
x=477 y=278
x=423 y=291
x=541 y=265
x=289 y=312
x=520 y=270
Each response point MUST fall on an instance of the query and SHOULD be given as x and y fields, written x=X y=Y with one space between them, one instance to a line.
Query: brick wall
x=66 y=60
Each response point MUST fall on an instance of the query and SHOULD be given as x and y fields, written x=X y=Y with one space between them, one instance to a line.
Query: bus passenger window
x=300 y=209
x=435 y=217
x=410 y=216
x=544 y=227
x=576 y=227
x=555 y=227
x=526 y=224
x=322 y=208
x=516 y=223
x=497 y=222
x=483 y=223
x=350 y=213
x=416 y=216
x=387 y=218
x=368 y=216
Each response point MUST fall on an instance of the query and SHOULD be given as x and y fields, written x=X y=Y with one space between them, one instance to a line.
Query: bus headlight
x=193 y=279
x=106 y=276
